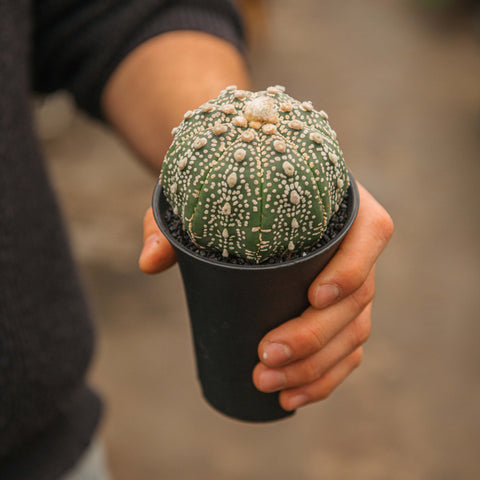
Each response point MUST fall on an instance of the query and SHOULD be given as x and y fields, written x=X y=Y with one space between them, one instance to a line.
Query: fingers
x=357 y=254
x=308 y=370
x=314 y=329
x=308 y=357
x=322 y=388
x=157 y=253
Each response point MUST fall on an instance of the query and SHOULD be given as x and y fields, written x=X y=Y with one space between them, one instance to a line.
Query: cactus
x=254 y=175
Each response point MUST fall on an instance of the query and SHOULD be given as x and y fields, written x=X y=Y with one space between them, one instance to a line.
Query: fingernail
x=150 y=244
x=276 y=354
x=271 y=380
x=298 y=401
x=325 y=295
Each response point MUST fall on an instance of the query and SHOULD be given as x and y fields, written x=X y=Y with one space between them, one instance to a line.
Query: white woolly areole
x=261 y=109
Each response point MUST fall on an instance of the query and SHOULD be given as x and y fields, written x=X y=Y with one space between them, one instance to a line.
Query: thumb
x=157 y=253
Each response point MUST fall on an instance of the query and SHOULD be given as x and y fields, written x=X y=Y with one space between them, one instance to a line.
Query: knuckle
x=361 y=330
x=312 y=338
x=364 y=295
x=383 y=225
x=325 y=391
x=307 y=372
x=388 y=226
x=357 y=357
x=351 y=279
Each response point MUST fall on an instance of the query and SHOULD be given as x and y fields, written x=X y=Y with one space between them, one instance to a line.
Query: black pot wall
x=233 y=306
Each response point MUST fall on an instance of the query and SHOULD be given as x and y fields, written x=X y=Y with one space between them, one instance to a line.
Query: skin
x=307 y=357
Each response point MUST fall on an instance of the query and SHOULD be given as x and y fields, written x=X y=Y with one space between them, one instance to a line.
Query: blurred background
x=401 y=83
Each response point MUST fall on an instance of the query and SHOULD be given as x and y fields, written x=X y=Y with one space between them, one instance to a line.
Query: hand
x=308 y=357
x=157 y=254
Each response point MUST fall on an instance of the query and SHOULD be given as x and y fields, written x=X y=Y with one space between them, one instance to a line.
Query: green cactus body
x=254 y=175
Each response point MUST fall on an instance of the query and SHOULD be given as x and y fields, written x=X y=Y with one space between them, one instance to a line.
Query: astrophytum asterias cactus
x=254 y=175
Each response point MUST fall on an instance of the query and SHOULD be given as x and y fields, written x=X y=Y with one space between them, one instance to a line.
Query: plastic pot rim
x=353 y=210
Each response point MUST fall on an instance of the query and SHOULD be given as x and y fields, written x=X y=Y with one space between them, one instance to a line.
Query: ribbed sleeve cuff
x=88 y=91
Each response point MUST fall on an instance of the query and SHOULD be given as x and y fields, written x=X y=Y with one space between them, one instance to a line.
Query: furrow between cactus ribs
x=257 y=253
x=314 y=183
x=205 y=177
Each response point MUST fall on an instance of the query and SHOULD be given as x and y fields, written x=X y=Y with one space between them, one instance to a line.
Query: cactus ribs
x=255 y=175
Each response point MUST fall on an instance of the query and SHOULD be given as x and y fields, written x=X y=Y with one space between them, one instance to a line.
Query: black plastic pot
x=233 y=306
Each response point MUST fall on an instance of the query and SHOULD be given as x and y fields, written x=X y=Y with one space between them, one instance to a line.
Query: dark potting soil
x=335 y=225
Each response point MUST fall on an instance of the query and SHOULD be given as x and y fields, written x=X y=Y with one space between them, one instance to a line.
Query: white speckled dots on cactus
x=254 y=174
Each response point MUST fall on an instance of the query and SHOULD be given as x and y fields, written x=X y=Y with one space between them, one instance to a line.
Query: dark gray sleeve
x=79 y=43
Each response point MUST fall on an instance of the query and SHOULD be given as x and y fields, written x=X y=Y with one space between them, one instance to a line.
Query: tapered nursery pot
x=233 y=306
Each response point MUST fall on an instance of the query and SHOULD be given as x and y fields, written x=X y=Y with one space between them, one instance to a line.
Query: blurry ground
x=404 y=94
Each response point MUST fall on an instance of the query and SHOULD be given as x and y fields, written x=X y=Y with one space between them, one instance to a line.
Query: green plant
x=254 y=175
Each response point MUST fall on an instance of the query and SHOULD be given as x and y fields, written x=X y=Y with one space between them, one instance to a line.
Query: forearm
x=152 y=88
